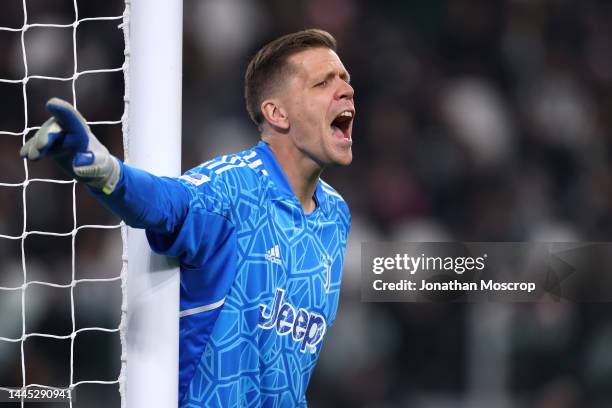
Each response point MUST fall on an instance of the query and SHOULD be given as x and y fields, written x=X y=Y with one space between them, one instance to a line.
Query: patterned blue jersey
x=260 y=279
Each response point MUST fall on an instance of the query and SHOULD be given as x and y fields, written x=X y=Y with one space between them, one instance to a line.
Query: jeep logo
x=305 y=327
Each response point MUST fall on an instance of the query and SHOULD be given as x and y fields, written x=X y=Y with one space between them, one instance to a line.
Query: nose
x=345 y=91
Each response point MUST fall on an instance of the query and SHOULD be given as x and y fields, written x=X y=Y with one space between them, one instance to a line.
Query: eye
x=322 y=84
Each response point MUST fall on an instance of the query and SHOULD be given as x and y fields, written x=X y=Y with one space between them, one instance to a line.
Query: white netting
x=26 y=284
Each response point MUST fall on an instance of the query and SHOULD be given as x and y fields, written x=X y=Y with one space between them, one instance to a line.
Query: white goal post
x=153 y=143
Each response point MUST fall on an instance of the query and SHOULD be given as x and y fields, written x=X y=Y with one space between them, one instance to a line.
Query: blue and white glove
x=66 y=137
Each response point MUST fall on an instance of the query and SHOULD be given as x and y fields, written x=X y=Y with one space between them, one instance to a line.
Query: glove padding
x=66 y=137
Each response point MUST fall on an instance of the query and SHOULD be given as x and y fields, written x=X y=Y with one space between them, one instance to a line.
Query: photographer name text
x=454 y=285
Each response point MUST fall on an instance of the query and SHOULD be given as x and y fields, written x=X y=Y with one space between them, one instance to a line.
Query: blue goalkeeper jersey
x=260 y=279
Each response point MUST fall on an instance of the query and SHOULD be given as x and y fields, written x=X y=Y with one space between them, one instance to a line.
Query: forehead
x=316 y=61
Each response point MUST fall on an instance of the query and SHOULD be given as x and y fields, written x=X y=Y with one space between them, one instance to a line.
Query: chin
x=344 y=159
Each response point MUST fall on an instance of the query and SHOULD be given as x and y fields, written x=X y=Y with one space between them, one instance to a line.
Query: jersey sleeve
x=206 y=228
x=185 y=217
x=144 y=200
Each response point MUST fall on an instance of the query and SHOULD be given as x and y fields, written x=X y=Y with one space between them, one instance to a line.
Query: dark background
x=477 y=120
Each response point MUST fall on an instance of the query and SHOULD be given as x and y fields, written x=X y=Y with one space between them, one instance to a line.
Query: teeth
x=348 y=114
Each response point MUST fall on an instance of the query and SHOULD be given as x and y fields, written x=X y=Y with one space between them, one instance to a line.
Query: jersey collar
x=275 y=172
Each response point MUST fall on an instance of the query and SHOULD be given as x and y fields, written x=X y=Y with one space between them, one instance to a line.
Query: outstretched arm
x=141 y=199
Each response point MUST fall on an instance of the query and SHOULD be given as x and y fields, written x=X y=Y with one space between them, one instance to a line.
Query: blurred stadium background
x=477 y=120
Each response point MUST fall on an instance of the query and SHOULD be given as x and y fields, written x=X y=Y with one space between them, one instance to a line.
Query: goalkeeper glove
x=66 y=137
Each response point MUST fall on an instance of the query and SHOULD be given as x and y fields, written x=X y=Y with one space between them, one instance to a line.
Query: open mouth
x=341 y=125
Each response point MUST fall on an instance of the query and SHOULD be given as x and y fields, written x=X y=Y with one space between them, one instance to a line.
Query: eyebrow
x=344 y=75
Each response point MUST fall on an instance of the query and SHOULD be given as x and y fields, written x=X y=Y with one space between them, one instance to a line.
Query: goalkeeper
x=259 y=236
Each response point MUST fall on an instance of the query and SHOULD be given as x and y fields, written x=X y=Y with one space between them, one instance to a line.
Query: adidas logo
x=273 y=255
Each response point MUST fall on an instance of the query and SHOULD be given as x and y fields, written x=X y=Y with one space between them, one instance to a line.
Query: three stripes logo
x=273 y=255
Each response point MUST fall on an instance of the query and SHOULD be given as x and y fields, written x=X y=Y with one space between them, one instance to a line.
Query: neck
x=301 y=172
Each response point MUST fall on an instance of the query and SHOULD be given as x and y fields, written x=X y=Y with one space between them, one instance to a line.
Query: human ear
x=275 y=114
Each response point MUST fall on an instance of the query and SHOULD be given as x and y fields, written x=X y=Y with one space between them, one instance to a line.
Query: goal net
x=66 y=332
